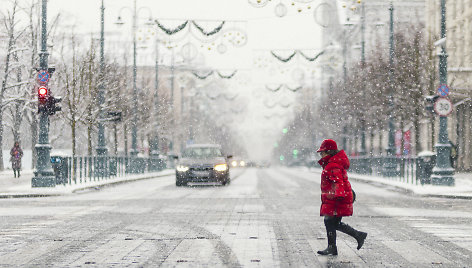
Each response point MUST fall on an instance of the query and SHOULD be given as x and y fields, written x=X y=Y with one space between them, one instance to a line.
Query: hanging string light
x=217 y=37
x=295 y=53
x=280 y=9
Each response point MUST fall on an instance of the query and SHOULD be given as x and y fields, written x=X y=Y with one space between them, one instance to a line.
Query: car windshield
x=202 y=152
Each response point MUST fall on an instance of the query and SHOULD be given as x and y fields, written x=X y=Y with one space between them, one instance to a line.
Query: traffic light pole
x=43 y=175
x=443 y=172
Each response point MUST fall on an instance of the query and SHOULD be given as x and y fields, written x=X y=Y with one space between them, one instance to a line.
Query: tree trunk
x=371 y=147
x=433 y=132
x=11 y=42
x=74 y=143
x=402 y=140
x=17 y=118
x=89 y=139
x=380 y=141
x=125 y=136
x=34 y=137
x=115 y=139
x=17 y=113
x=1 y=140
x=416 y=128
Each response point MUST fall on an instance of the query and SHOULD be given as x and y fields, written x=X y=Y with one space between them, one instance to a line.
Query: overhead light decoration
x=275 y=89
x=280 y=10
x=295 y=52
x=189 y=51
x=222 y=48
x=209 y=73
x=218 y=38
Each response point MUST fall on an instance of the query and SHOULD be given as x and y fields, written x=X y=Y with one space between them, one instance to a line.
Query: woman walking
x=15 y=157
x=336 y=196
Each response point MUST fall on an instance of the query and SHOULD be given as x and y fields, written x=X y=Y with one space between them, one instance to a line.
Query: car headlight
x=234 y=163
x=221 y=167
x=181 y=168
x=242 y=163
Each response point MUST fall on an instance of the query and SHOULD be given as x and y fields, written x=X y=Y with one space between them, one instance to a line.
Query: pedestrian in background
x=15 y=157
x=336 y=196
x=453 y=156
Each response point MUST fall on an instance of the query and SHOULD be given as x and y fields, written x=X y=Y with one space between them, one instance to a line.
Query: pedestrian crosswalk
x=414 y=252
x=459 y=234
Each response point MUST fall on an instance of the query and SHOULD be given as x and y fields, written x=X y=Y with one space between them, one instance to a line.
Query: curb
x=8 y=196
x=449 y=196
x=96 y=187
x=113 y=183
x=409 y=191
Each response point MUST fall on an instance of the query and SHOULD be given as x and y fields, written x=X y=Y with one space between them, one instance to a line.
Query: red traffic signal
x=42 y=94
x=43 y=91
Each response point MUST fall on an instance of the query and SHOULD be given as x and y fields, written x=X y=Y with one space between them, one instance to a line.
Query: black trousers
x=332 y=223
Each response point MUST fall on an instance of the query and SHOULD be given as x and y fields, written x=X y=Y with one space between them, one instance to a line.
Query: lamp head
x=119 y=21
x=149 y=22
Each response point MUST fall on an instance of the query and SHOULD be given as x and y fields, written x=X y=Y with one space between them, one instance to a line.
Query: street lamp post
x=390 y=167
x=443 y=172
x=155 y=140
x=172 y=84
x=101 y=148
x=363 y=149
x=44 y=175
x=135 y=165
x=182 y=124
x=134 y=131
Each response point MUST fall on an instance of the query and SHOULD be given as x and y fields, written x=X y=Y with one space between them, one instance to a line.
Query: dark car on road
x=202 y=163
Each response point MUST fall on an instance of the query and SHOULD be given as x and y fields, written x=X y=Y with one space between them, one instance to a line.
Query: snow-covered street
x=264 y=218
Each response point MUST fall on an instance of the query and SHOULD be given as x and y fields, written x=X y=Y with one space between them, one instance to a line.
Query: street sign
x=443 y=90
x=443 y=106
x=43 y=77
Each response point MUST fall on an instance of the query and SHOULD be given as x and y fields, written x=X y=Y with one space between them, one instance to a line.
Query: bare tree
x=13 y=35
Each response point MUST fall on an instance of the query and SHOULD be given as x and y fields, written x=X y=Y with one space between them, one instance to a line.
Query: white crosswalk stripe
x=459 y=234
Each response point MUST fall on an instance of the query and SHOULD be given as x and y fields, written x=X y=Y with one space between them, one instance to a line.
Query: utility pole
x=443 y=172
x=390 y=166
x=43 y=175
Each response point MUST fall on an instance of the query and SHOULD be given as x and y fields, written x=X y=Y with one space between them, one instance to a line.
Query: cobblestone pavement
x=264 y=218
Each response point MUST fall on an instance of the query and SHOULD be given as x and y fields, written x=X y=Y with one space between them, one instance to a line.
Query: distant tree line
x=362 y=100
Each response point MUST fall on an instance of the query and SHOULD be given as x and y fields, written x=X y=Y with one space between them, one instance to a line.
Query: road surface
x=264 y=218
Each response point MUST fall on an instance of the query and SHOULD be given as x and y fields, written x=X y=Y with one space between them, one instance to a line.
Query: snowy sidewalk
x=461 y=189
x=11 y=187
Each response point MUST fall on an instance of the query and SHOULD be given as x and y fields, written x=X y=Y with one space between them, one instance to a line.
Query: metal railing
x=83 y=169
x=409 y=169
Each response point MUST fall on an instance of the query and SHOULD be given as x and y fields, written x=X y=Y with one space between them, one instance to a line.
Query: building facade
x=344 y=32
x=459 y=49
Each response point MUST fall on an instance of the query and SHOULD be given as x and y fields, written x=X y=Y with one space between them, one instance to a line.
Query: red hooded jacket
x=336 y=193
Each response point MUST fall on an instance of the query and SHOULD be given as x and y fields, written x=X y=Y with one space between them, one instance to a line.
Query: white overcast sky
x=265 y=32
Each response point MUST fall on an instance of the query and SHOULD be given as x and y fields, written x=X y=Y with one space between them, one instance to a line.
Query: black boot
x=358 y=235
x=14 y=173
x=331 y=249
